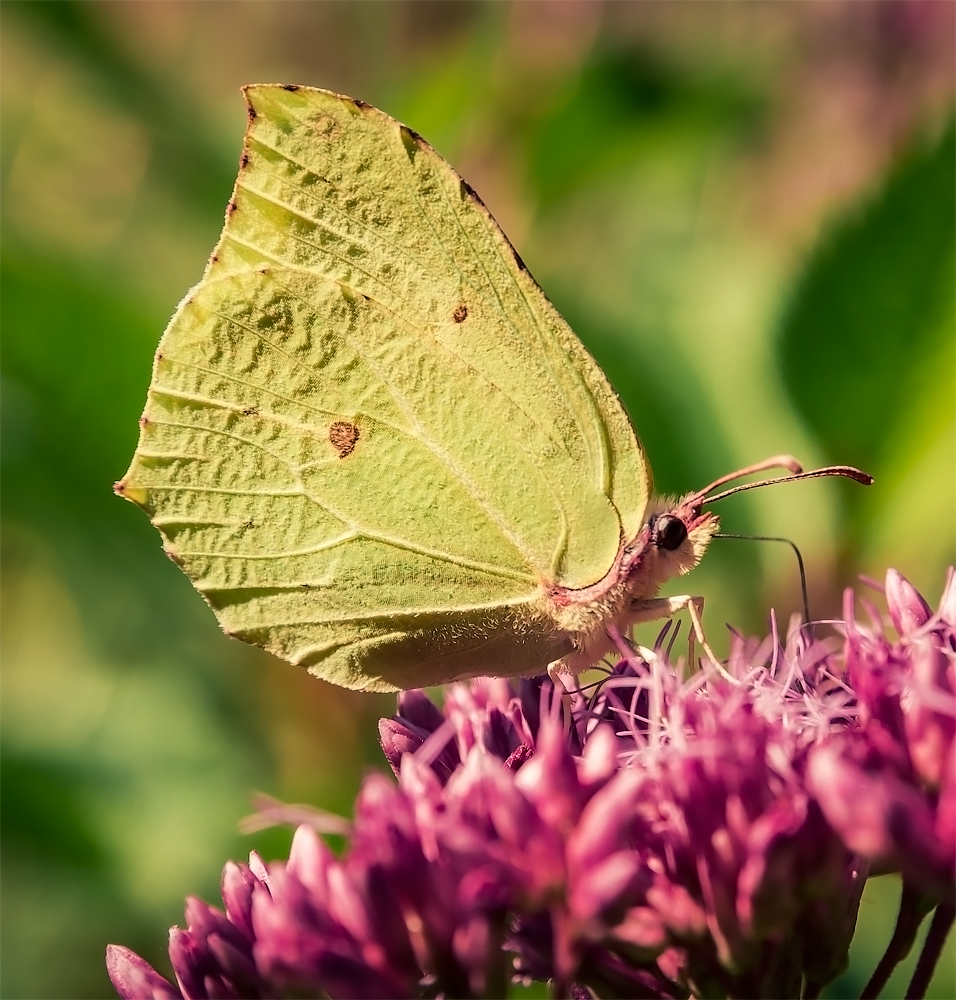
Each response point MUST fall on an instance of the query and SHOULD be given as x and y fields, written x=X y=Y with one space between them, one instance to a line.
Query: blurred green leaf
x=443 y=99
x=626 y=104
x=870 y=329
x=42 y=814
x=186 y=158
x=70 y=343
x=74 y=354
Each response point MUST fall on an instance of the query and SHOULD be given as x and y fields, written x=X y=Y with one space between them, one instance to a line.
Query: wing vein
x=311 y=550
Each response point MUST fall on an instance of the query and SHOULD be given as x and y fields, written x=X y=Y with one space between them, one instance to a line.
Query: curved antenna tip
x=847 y=471
x=858 y=475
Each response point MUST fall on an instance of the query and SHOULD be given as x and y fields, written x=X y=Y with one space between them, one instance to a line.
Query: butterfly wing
x=369 y=437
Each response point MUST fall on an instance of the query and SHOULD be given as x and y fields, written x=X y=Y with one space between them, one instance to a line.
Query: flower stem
x=933 y=946
x=496 y=967
x=913 y=907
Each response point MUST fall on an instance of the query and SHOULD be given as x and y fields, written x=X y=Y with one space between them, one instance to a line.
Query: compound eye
x=670 y=532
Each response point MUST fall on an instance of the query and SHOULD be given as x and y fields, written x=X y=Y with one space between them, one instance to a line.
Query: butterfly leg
x=555 y=670
x=666 y=607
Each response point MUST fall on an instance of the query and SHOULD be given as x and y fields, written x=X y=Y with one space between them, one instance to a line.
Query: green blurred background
x=746 y=210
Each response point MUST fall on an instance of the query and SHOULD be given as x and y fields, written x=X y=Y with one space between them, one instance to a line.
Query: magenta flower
x=670 y=839
x=888 y=783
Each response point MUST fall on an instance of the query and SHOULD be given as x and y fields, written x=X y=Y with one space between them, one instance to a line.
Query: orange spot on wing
x=343 y=437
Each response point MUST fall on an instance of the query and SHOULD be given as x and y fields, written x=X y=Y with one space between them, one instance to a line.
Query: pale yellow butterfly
x=373 y=444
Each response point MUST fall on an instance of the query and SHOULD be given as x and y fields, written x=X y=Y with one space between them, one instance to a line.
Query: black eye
x=669 y=532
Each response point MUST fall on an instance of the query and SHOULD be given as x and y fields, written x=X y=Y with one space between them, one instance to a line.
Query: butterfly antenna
x=796 y=552
x=848 y=471
x=787 y=462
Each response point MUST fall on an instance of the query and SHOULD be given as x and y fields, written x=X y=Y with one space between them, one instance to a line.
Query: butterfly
x=372 y=443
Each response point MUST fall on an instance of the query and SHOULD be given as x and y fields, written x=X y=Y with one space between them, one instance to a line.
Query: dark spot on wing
x=517 y=256
x=143 y=421
x=251 y=411
x=231 y=207
x=174 y=557
x=214 y=258
x=460 y=314
x=360 y=104
x=412 y=141
x=251 y=113
x=292 y=87
x=119 y=487
x=470 y=192
x=343 y=437
x=244 y=160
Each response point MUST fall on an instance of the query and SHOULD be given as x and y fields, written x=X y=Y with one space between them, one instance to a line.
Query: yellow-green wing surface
x=370 y=438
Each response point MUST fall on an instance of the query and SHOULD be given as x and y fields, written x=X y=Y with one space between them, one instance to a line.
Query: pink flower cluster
x=888 y=785
x=670 y=838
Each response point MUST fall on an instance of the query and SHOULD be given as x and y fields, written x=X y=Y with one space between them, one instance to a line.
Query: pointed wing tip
x=250 y=91
x=257 y=95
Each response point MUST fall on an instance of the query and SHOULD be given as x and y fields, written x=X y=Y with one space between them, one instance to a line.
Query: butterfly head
x=676 y=533
x=673 y=540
